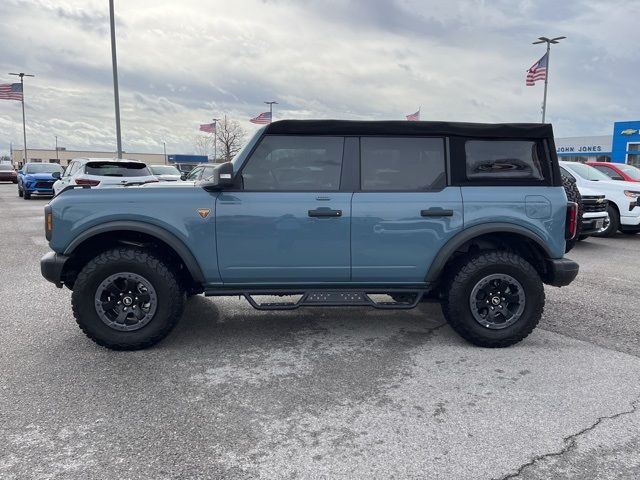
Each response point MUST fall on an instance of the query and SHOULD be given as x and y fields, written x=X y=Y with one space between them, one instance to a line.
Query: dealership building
x=623 y=146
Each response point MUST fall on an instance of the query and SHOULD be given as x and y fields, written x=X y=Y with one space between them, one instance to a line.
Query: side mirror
x=183 y=176
x=56 y=175
x=222 y=177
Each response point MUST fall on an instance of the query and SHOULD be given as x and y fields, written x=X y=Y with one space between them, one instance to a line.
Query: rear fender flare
x=438 y=264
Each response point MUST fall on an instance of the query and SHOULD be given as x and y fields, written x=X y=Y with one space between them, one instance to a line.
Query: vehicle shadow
x=213 y=322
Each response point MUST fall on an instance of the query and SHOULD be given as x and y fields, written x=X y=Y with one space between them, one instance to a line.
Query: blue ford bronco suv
x=325 y=213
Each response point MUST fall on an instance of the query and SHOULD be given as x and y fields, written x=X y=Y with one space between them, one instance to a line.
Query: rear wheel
x=493 y=299
x=127 y=299
x=613 y=225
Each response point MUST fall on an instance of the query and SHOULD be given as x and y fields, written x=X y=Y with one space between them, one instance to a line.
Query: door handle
x=325 y=212
x=436 y=212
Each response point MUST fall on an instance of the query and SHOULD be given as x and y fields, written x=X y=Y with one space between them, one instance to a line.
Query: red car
x=618 y=171
x=7 y=173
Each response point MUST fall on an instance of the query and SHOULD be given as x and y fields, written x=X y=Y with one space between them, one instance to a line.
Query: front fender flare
x=153 y=230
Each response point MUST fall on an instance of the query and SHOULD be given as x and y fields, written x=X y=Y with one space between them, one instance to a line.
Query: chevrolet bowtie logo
x=599 y=200
x=203 y=212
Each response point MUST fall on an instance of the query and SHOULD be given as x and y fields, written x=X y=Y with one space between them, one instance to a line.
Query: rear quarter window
x=117 y=169
x=503 y=159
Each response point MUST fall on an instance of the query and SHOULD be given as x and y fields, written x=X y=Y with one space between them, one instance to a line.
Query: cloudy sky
x=183 y=62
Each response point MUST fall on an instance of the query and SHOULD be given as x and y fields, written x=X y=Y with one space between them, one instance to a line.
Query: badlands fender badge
x=203 y=212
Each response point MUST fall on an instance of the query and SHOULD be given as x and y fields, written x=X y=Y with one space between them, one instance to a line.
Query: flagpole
x=215 y=139
x=271 y=110
x=546 y=83
x=24 y=123
x=548 y=41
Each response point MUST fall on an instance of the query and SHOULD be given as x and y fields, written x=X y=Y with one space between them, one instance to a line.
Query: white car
x=623 y=197
x=165 y=173
x=104 y=172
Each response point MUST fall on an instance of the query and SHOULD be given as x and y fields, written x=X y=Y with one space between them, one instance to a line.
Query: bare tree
x=203 y=144
x=231 y=137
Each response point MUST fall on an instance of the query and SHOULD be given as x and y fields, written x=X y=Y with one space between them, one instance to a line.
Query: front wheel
x=127 y=299
x=610 y=228
x=20 y=192
x=493 y=299
x=26 y=195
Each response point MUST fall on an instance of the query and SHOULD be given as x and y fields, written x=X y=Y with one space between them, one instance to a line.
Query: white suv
x=624 y=197
x=104 y=172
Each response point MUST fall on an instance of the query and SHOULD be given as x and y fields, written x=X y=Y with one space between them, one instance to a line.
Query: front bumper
x=593 y=223
x=561 y=272
x=51 y=266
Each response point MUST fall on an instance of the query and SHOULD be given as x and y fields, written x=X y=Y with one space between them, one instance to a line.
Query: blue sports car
x=37 y=179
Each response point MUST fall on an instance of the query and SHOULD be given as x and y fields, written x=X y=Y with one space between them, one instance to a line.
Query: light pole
x=24 y=127
x=548 y=41
x=164 y=149
x=271 y=104
x=114 y=63
x=57 y=158
x=215 y=139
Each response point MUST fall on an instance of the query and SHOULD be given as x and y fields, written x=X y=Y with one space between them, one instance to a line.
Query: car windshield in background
x=6 y=167
x=117 y=169
x=164 y=170
x=42 y=168
x=587 y=172
x=633 y=172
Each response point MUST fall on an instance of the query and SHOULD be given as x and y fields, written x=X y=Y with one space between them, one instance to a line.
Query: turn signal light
x=48 y=222
x=571 y=225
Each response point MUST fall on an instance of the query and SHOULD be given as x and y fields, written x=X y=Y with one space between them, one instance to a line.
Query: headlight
x=632 y=193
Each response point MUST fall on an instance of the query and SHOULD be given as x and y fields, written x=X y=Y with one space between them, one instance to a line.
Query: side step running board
x=338 y=298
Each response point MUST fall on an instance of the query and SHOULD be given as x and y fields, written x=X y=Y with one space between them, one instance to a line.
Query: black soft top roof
x=402 y=127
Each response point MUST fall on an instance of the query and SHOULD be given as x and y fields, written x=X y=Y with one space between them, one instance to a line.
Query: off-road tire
x=170 y=295
x=460 y=280
x=614 y=224
x=573 y=195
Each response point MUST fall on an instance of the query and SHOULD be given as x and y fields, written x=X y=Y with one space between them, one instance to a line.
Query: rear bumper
x=51 y=266
x=561 y=272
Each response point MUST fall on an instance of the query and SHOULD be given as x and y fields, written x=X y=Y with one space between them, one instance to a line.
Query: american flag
x=262 y=119
x=414 y=117
x=11 y=91
x=538 y=71
x=208 y=127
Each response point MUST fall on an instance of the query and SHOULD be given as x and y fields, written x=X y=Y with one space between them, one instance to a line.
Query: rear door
x=404 y=212
x=290 y=221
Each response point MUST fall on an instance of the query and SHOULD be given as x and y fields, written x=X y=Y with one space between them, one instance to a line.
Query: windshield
x=6 y=167
x=631 y=171
x=117 y=169
x=587 y=172
x=42 y=168
x=240 y=157
x=164 y=170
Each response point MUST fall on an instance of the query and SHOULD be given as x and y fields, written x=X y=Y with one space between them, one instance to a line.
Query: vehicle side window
x=609 y=172
x=207 y=174
x=195 y=173
x=402 y=164
x=67 y=171
x=564 y=172
x=295 y=163
x=503 y=159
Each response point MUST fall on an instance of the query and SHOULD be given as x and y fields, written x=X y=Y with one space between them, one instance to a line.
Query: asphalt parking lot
x=319 y=393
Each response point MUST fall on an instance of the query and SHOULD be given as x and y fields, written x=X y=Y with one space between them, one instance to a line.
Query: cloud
x=183 y=63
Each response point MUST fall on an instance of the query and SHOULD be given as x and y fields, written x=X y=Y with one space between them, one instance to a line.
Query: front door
x=289 y=223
